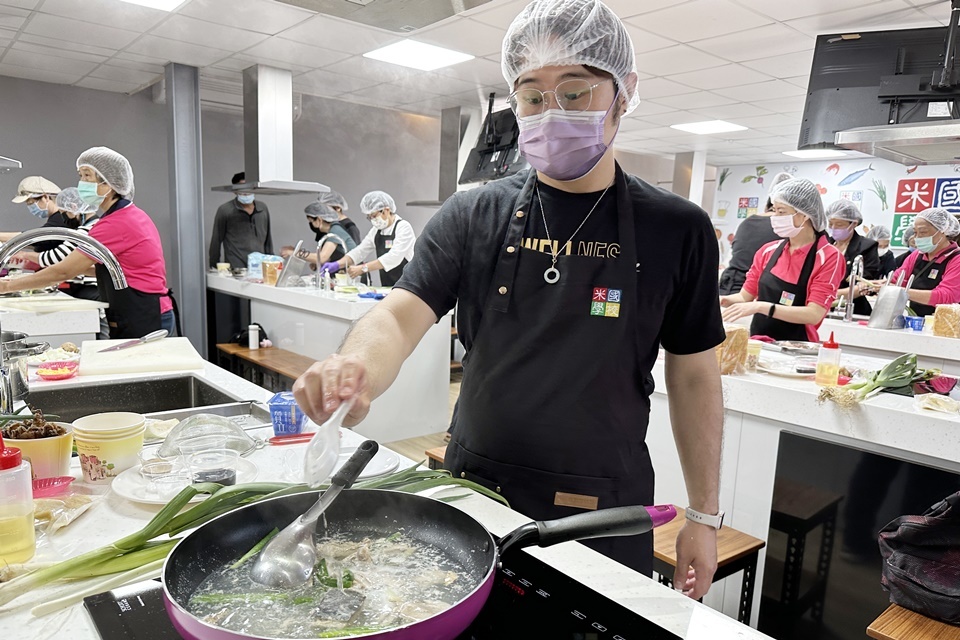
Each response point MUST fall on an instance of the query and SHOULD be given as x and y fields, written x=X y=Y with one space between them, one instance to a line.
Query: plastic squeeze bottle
x=17 y=541
x=828 y=363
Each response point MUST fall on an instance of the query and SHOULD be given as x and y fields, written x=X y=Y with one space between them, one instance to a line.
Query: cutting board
x=51 y=304
x=169 y=354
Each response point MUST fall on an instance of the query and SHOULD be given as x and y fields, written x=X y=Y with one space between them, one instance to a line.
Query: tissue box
x=286 y=416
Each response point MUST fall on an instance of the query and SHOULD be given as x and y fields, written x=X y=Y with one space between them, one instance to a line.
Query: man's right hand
x=321 y=389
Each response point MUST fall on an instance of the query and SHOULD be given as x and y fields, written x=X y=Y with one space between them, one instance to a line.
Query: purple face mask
x=840 y=234
x=564 y=146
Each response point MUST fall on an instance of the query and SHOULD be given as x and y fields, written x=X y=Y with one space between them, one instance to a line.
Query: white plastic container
x=254 y=336
x=17 y=540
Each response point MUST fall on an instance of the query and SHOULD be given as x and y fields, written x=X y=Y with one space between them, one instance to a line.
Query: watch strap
x=770 y=313
x=702 y=518
x=365 y=268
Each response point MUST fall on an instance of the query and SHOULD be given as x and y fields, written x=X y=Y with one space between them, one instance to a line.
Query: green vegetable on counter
x=897 y=374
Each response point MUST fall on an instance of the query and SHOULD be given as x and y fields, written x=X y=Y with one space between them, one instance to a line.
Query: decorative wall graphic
x=881 y=190
x=912 y=169
x=834 y=169
x=746 y=207
x=722 y=207
x=791 y=169
x=948 y=194
x=856 y=175
x=724 y=174
x=822 y=189
x=913 y=196
x=760 y=172
x=901 y=222
x=853 y=196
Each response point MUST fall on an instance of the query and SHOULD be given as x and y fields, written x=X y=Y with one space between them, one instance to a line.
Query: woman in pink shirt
x=146 y=305
x=935 y=265
x=792 y=282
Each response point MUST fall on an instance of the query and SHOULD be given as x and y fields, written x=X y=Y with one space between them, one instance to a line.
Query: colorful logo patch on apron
x=606 y=302
x=387 y=244
x=787 y=298
x=933 y=274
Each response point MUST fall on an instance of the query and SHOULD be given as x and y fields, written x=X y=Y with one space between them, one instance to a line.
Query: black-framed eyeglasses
x=572 y=96
x=375 y=214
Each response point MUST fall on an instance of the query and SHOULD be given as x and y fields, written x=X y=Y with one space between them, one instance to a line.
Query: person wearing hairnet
x=792 y=282
x=324 y=221
x=339 y=204
x=40 y=195
x=560 y=312
x=843 y=218
x=909 y=241
x=934 y=265
x=146 y=305
x=753 y=233
x=391 y=240
x=881 y=235
x=241 y=226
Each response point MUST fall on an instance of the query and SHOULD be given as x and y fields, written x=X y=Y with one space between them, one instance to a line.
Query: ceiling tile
x=324 y=83
x=792 y=104
x=262 y=16
x=241 y=61
x=431 y=106
x=762 y=91
x=212 y=35
x=786 y=132
x=12 y=18
x=502 y=15
x=68 y=48
x=676 y=59
x=72 y=30
x=672 y=117
x=131 y=17
x=697 y=100
x=888 y=14
x=644 y=41
x=800 y=81
x=769 y=40
x=731 y=75
x=658 y=87
x=648 y=108
x=478 y=71
x=633 y=123
x=58 y=64
x=40 y=75
x=374 y=70
x=30 y=48
x=126 y=55
x=787 y=65
x=296 y=53
x=22 y=4
x=627 y=8
x=783 y=11
x=108 y=85
x=174 y=51
x=430 y=85
x=155 y=69
x=465 y=36
x=122 y=74
x=729 y=111
x=700 y=19
x=340 y=35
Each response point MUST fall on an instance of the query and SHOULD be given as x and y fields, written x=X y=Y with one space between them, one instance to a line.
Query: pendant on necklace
x=551 y=275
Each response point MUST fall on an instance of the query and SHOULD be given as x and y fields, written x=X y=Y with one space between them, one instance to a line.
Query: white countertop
x=924 y=344
x=113 y=517
x=53 y=315
x=338 y=305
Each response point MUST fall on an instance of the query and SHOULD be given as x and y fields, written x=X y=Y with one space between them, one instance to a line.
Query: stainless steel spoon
x=288 y=560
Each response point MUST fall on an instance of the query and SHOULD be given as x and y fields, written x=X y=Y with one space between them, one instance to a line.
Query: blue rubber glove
x=330 y=267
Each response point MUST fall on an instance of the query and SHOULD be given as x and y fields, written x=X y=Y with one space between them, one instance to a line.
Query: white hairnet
x=879 y=232
x=112 y=167
x=317 y=209
x=570 y=32
x=802 y=195
x=333 y=199
x=775 y=182
x=844 y=210
x=942 y=219
x=376 y=200
x=69 y=200
x=908 y=234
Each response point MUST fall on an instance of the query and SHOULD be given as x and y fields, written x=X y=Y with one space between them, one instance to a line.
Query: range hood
x=910 y=144
x=9 y=164
x=268 y=136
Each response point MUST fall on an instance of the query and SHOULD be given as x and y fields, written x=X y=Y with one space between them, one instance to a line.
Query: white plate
x=34 y=361
x=386 y=461
x=133 y=486
x=782 y=369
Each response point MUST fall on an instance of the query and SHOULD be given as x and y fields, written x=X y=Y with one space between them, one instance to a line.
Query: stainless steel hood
x=9 y=164
x=910 y=144
x=268 y=136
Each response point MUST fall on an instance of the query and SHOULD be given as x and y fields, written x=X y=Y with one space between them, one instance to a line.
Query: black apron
x=926 y=277
x=772 y=289
x=381 y=242
x=553 y=410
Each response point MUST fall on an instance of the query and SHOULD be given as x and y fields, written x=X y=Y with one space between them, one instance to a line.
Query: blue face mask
x=37 y=211
x=246 y=198
x=925 y=245
x=88 y=193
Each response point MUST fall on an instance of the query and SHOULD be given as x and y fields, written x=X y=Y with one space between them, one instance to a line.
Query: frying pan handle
x=357 y=463
x=605 y=523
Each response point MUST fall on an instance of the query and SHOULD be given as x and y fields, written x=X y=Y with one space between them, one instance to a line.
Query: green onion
x=255 y=550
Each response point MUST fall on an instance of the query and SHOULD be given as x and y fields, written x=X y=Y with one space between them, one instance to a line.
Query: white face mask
x=379 y=223
x=883 y=251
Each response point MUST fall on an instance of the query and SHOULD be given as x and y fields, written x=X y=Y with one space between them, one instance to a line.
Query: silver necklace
x=552 y=274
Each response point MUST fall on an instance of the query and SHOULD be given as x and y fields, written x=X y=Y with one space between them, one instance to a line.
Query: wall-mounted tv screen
x=497 y=153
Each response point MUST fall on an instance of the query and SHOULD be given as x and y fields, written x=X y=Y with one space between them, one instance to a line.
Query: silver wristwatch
x=364 y=268
x=702 y=518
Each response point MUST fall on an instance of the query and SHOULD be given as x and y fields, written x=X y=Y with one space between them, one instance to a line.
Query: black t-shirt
x=351 y=228
x=54 y=221
x=564 y=212
x=753 y=233
x=677 y=257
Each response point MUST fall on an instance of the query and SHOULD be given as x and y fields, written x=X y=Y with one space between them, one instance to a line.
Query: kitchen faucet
x=79 y=240
x=856 y=273
x=331 y=236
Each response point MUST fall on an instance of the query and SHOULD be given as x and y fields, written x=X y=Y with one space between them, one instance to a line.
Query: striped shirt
x=62 y=250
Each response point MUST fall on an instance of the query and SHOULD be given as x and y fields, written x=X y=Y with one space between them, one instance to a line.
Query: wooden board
x=169 y=354
x=897 y=623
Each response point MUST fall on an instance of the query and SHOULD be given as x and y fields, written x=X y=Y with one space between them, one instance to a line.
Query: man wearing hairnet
x=752 y=233
x=843 y=218
x=934 y=265
x=391 y=242
x=792 y=282
x=561 y=315
x=881 y=235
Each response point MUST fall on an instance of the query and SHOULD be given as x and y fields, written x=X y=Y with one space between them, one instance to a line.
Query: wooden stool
x=736 y=551
x=797 y=510
x=435 y=457
x=897 y=623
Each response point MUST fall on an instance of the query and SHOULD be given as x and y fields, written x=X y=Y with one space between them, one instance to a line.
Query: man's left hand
x=742 y=310
x=696 y=559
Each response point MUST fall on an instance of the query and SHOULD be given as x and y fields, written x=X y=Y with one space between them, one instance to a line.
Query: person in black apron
x=888 y=261
x=391 y=239
x=781 y=309
x=934 y=264
x=843 y=218
x=560 y=316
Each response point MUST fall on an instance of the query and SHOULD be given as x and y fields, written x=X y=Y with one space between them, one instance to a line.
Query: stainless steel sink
x=140 y=396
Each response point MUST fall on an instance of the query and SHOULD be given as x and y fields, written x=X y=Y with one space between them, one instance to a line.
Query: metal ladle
x=288 y=560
